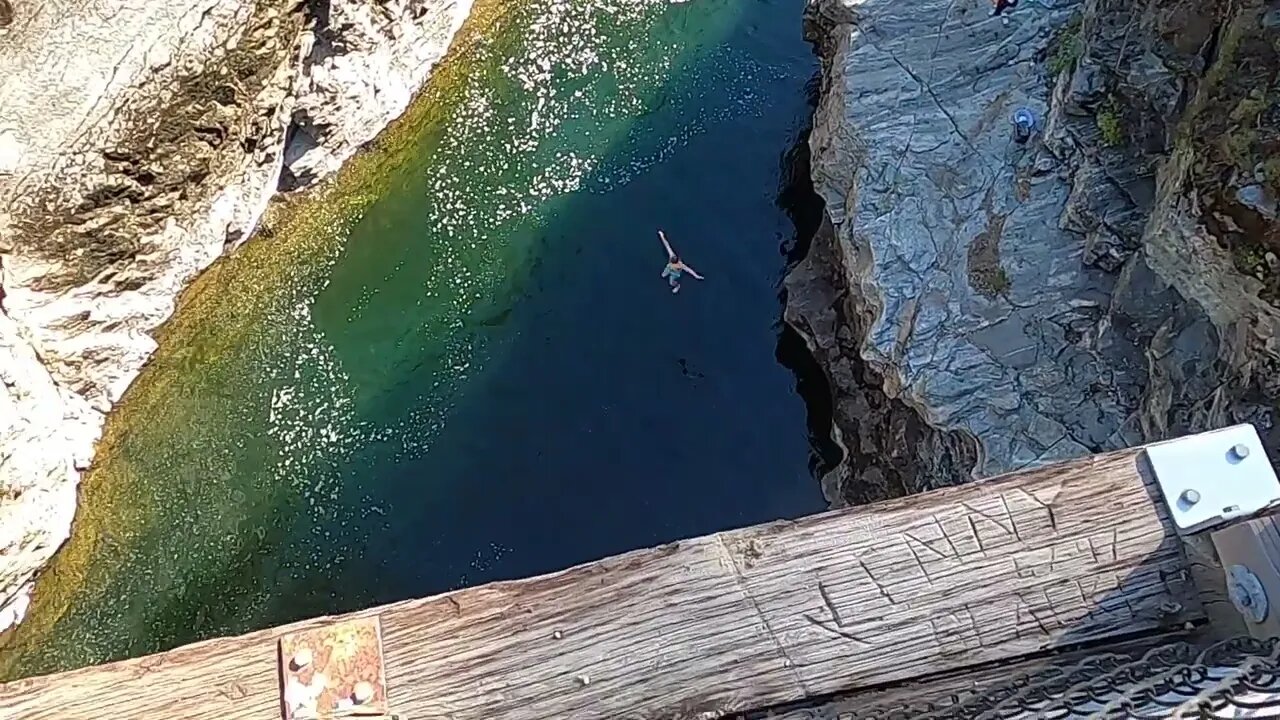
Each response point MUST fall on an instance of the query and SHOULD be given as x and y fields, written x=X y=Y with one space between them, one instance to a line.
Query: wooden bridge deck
x=730 y=622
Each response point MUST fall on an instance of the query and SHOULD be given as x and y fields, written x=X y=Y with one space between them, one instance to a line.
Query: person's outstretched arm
x=670 y=253
x=691 y=271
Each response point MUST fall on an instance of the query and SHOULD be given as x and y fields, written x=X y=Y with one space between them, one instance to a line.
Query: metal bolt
x=363 y=693
x=1247 y=593
x=557 y=634
x=584 y=679
x=1240 y=451
x=1190 y=497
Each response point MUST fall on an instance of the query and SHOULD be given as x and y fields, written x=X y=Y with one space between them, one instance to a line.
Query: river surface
x=459 y=364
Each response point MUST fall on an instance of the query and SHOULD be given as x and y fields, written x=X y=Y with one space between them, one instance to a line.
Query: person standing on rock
x=675 y=267
x=1024 y=124
x=1002 y=5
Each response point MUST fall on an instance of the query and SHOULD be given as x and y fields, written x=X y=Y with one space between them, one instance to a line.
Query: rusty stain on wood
x=322 y=670
x=730 y=622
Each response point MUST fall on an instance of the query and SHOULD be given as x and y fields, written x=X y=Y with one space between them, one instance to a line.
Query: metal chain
x=1235 y=678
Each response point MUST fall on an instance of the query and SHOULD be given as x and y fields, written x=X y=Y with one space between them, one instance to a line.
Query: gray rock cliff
x=1029 y=303
x=139 y=140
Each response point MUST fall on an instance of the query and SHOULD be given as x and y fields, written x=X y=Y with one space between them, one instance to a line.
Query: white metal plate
x=1222 y=484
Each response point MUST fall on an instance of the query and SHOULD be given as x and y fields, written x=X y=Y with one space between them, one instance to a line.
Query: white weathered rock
x=126 y=171
x=362 y=70
x=42 y=429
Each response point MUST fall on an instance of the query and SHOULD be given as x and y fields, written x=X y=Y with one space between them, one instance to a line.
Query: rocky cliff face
x=140 y=139
x=1003 y=305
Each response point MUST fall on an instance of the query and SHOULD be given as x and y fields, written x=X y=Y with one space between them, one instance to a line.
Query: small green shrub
x=1110 y=125
x=1065 y=55
x=1271 y=169
x=1067 y=48
x=1237 y=146
x=1249 y=259
x=1246 y=112
x=1237 y=142
x=999 y=282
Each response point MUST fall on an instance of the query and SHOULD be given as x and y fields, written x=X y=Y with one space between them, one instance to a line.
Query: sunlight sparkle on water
x=545 y=134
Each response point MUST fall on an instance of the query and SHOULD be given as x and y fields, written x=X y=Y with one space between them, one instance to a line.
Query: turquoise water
x=479 y=375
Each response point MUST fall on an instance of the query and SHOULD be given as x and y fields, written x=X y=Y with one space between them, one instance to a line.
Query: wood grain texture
x=1207 y=575
x=730 y=622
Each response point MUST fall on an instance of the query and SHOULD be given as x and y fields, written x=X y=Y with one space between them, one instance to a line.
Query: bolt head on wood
x=557 y=634
x=1190 y=497
x=363 y=693
x=1247 y=594
x=1240 y=451
x=584 y=679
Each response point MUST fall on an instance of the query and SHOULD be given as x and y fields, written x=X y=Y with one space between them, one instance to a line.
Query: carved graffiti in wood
x=831 y=619
x=932 y=545
x=997 y=622
x=940 y=547
x=1104 y=547
x=881 y=588
x=956 y=632
x=1038 y=507
x=1039 y=619
x=1104 y=593
x=992 y=522
x=1042 y=611
x=1104 y=598
x=1081 y=553
x=840 y=622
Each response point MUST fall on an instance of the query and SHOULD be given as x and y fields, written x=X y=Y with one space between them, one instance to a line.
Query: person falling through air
x=675 y=267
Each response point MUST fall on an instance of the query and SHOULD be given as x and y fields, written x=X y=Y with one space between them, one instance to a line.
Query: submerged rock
x=1040 y=301
x=128 y=169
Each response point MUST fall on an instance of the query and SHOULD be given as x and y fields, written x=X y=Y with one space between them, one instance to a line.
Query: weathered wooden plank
x=992 y=570
x=1207 y=574
x=741 y=620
